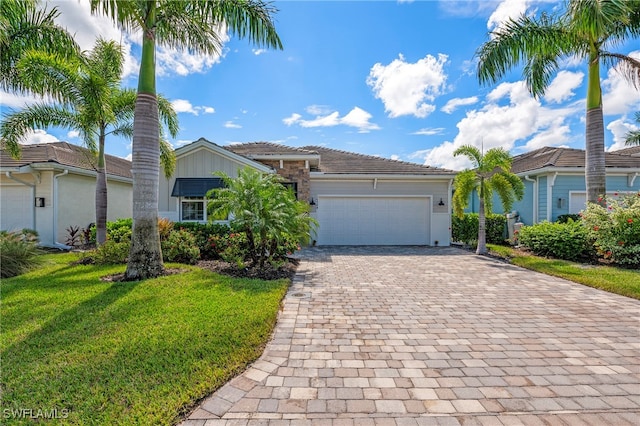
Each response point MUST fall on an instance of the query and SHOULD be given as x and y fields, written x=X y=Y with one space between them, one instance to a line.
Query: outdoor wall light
x=562 y=202
x=312 y=202
x=39 y=202
x=441 y=203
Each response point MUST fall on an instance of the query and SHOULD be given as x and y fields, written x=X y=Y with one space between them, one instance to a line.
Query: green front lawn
x=625 y=282
x=126 y=353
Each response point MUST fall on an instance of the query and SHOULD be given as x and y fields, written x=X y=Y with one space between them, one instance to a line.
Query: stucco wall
x=76 y=202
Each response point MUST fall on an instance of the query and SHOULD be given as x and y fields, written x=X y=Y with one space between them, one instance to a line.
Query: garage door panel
x=373 y=220
x=15 y=209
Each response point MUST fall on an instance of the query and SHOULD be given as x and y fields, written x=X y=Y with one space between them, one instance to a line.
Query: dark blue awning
x=195 y=187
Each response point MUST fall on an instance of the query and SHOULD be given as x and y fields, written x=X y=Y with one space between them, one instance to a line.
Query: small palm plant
x=633 y=136
x=266 y=211
x=491 y=173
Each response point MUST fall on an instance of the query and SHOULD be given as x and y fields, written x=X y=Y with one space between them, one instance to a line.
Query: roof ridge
x=375 y=157
x=275 y=144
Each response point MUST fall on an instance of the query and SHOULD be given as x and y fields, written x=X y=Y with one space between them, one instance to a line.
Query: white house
x=52 y=187
x=357 y=199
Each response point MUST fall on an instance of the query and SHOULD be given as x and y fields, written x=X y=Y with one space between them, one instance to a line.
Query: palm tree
x=89 y=100
x=586 y=30
x=633 y=136
x=265 y=210
x=491 y=173
x=191 y=25
x=24 y=27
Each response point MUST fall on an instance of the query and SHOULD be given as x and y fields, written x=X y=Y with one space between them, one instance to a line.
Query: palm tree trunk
x=482 y=232
x=595 y=174
x=101 y=193
x=145 y=255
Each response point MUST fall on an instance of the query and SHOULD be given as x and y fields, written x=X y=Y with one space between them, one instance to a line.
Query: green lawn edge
x=625 y=282
x=96 y=352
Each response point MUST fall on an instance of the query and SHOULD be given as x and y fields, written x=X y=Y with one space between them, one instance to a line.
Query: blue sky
x=386 y=78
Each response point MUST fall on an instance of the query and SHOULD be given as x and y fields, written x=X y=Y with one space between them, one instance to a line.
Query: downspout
x=55 y=210
x=535 y=198
x=551 y=180
x=33 y=197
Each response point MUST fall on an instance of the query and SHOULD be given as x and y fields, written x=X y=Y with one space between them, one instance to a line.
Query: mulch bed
x=287 y=270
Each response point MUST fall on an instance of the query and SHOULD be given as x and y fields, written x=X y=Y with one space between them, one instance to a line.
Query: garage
x=16 y=210
x=373 y=220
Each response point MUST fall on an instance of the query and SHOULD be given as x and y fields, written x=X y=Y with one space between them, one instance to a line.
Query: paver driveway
x=418 y=335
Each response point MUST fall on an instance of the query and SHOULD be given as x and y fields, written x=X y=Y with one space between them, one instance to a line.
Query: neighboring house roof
x=65 y=155
x=634 y=151
x=334 y=161
x=551 y=157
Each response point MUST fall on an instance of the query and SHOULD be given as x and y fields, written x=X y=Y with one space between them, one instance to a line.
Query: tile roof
x=633 y=150
x=336 y=161
x=65 y=154
x=265 y=148
x=566 y=157
x=343 y=162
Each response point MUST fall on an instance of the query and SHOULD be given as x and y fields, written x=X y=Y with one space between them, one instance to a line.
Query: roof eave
x=51 y=166
x=381 y=176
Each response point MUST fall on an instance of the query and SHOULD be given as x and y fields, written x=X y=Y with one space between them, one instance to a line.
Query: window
x=293 y=186
x=192 y=208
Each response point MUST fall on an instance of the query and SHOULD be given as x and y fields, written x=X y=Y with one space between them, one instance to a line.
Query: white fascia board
x=379 y=177
x=205 y=144
x=77 y=171
x=610 y=171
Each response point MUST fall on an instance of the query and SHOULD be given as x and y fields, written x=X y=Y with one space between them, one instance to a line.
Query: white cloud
x=619 y=129
x=73 y=134
x=563 y=85
x=38 y=136
x=509 y=115
x=357 y=118
x=183 y=105
x=507 y=9
x=232 y=125
x=429 y=132
x=258 y=52
x=77 y=18
x=619 y=96
x=318 y=110
x=291 y=120
x=453 y=104
x=16 y=101
x=129 y=157
x=395 y=157
x=181 y=142
x=408 y=88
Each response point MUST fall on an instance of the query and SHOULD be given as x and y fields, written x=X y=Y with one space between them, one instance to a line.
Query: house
x=52 y=187
x=554 y=180
x=357 y=199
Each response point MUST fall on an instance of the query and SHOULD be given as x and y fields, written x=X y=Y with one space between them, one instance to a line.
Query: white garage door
x=15 y=208
x=373 y=220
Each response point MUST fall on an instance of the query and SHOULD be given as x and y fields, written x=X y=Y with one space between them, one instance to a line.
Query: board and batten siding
x=200 y=163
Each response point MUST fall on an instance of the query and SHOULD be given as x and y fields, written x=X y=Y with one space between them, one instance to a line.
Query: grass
x=140 y=353
x=625 y=282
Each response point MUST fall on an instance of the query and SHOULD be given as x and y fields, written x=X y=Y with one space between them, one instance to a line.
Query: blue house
x=554 y=180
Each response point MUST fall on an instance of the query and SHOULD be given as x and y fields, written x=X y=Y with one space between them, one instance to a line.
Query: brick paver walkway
x=437 y=336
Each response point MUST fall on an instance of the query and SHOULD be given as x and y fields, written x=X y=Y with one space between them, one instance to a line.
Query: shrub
x=567 y=241
x=111 y=253
x=19 y=252
x=616 y=229
x=466 y=229
x=180 y=247
x=207 y=237
x=564 y=218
